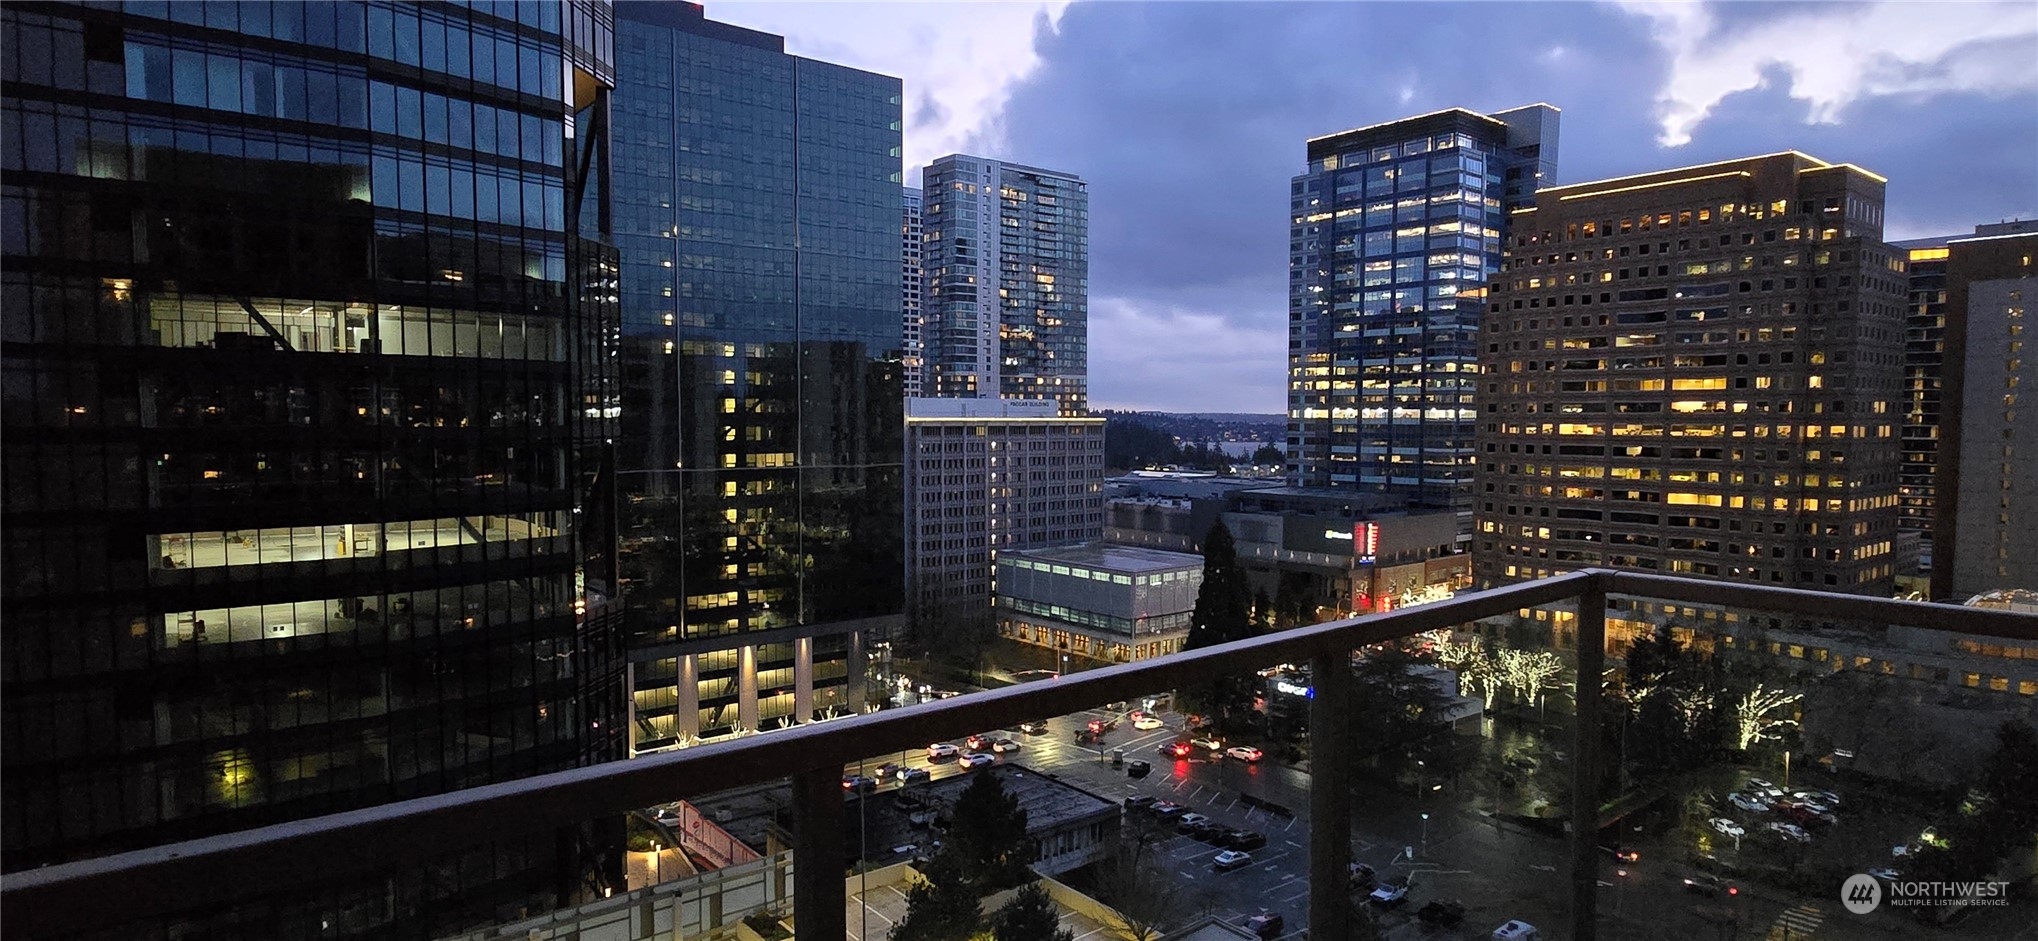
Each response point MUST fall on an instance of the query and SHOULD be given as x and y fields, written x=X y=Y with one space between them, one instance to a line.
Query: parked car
x=1166 y=808
x=1827 y=798
x=977 y=760
x=1709 y=885
x=887 y=771
x=1003 y=745
x=1727 y=827
x=1517 y=931
x=1390 y=893
x=1245 y=839
x=1101 y=726
x=1441 y=913
x=1035 y=727
x=942 y=751
x=1265 y=925
x=1139 y=801
x=1175 y=750
x=1138 y=768
x=858 y=784
x=1758 y=785
x=1146 y=723
x=915 y=776
x=1190 y=820
x=1885 y=873
x=1245 y=753
x=976 y=742
x=1210 y=744
x=1751 y=804
x=1206 y=831
x=1789 y=831
x=1361 y=876
x=1808 y=814
x=1231 y=859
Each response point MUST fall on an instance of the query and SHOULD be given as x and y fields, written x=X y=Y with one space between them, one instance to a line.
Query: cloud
x=1188 y=360
x=1832 y=55
x=958 y=60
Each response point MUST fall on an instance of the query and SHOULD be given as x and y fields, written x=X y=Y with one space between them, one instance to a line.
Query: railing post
x=1330 y=798
x=1585 y=776
x=818 y=856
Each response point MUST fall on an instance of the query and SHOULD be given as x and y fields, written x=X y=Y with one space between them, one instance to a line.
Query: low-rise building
x=1099 y=602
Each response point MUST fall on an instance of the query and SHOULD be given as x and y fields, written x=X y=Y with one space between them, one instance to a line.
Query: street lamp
x=1425 y=834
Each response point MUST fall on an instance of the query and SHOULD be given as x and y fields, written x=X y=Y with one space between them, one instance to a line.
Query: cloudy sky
x=1188 y=119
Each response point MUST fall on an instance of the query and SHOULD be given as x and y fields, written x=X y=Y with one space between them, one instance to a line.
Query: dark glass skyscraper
x=1395 y=229
x=306 y=500
x=758 y=206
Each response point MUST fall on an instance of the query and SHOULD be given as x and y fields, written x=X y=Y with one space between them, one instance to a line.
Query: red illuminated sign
x=1366 y=538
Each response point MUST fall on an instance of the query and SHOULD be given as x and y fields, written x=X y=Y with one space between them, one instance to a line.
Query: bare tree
x=1145 y=896
x=1526 y=671
x=1755 y=714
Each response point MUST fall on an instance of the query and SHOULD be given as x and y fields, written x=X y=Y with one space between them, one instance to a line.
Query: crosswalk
x=1797 y=924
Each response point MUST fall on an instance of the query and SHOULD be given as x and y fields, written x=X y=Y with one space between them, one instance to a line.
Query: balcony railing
x=214 y=873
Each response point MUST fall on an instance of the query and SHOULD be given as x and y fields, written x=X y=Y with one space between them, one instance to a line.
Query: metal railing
x=212 y=873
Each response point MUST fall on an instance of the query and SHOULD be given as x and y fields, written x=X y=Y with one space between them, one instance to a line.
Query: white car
x=1245 y=753
x=940 y=751
x=1231 y=859
x=1789 y=831
x=1207 y=743
x=1146 y=723
x=1828 y=798
x=1003 y=745
x=977 y=760
x=1748 y=803
x=1192 y=819
x=1727 y=827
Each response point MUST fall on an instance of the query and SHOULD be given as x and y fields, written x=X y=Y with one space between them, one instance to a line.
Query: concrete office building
x=1006 y=258
x=757 y=202
x=911 y=361
x=1098 y=602
x=1987 y=530
x=988 y=476
x=305 y=414
x=1394 y=229
x=1696 y=371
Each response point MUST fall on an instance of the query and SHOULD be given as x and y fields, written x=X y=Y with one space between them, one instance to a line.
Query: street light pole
x=1425 y=833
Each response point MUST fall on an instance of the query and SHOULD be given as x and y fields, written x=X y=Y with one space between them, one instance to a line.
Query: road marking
x=1796 y=923
x=1292 y=843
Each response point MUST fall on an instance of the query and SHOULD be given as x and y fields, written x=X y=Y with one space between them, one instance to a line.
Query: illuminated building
x=308 y=312
x=1394 y=231
x=1696 y=372
x=758 y=204
x=910 y=361
x=1006 y=307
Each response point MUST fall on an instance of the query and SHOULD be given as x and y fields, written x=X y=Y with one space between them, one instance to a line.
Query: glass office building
x=758 y=205
x=1395 y=229
x=306 y=505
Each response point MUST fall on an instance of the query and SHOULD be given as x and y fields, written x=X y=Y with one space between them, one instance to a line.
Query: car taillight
x=1733 y=890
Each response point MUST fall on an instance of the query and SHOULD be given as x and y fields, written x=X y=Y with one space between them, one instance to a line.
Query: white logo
x=1861 y=893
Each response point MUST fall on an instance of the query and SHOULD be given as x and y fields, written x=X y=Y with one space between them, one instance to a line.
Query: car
x=1101 y=726
x=915 y=776
x=1209 y=744
x=1390 y=893
x=921 y=817
x=1751 y=804
x=1207 y=832
x=1138 y=768
x=1885 y=873
x=1789 y=831
x=1516 y=930
x=1245 y=839
x=1166 y=809
x=1035 y=727
x=1809 y=815
x=887 y=771
x=1523 y=762
x=1360 y=875
x=1827 y=798
x=1190 y=820
x=1757 y=784
x=1146 y=723
x=1728 y=827
x=1626 y=855
x=942 y=751
x=1087 y=737
x=1245 y=753
x=667 y=816
x=977 y=743
x=1003 y=745
x=977 y=760
x=1265 y=925
x=858 y=784
x=1175 y=750
x=1230 y=859
x=1441 y=913
x=1713 y=864
x=1709 y=885
x=1139 y=801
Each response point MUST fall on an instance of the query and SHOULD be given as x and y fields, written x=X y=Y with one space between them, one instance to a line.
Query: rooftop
x=1047 y=801
x=1128 y=560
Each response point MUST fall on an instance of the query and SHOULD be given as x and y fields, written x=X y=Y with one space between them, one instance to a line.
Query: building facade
x=1394 y=230
x=1697 y=372
x=1099 y=602
x=988 y=476
x=1007 y=261
x=1924 y=359
x=758 y=203
x=307 y=503
x=1987 y=533
x=911 y=362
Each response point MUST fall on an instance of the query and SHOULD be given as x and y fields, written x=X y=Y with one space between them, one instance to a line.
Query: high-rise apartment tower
x=910 y=360
x=1696 y=372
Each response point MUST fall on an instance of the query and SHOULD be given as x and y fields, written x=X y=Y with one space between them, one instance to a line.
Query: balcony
x=1583 y=886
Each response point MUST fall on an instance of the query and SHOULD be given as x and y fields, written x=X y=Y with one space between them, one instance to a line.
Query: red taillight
x=1733 y=890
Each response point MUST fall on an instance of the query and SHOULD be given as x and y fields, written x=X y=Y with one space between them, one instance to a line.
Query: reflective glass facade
x=758 y=207
x=1395 y=229
x=305 y=500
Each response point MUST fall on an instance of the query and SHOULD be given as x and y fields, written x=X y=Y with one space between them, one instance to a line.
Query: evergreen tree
x=988 y=835
x=1223 y=614
x=942 y=907
x=1029 y=916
